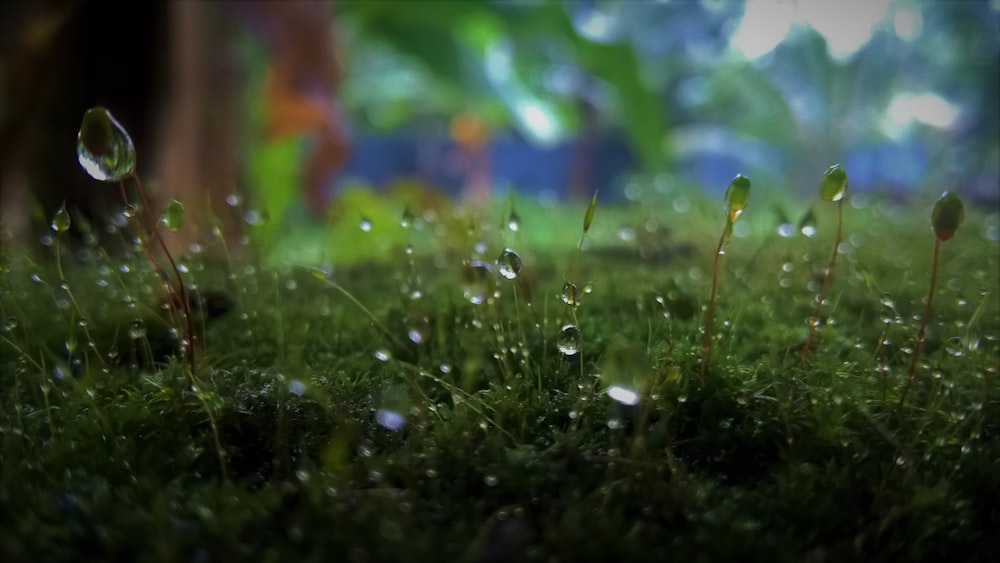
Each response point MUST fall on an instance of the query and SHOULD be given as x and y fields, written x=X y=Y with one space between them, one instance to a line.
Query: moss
x=510 y=450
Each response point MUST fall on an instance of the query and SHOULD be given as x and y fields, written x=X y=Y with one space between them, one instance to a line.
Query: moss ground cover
x=365 y=409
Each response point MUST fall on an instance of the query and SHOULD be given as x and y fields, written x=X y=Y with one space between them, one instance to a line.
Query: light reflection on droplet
x=623 y=395
x=390 y=419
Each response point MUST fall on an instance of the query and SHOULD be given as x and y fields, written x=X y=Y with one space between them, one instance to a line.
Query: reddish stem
x=706 y=341
x=826 y=283
x=923 y=323
x=168 y=285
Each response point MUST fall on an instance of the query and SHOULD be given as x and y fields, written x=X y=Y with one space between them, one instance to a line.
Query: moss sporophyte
x=948 y=214
x=737 y=195
x=832 y=188
x=105 y=151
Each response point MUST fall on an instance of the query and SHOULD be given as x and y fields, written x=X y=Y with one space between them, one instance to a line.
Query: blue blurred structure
x=903 y=94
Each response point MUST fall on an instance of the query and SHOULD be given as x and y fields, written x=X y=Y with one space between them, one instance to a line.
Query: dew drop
x=509 y=264
x=478 y=282
x=60 y=222
x=390 y=419
x=366 y=225
x=569 y=295
x=407 y=219
x=382 y=355
x=623 y=395
x=514 y=222
x=103 y=147
x=569 y=340
x=491 y=480
x=296 y=387
x=137 y=329
x=173 y=215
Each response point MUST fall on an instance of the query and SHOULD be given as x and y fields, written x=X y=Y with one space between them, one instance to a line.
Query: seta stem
x=707 y=340
x=180 y=291
x=923 y=323
x=826 y=283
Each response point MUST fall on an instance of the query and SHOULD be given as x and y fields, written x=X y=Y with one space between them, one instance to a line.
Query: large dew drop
x=569 y=340
x=509 y=264
x=478 y=282
x=623 y=395
x=103 y=147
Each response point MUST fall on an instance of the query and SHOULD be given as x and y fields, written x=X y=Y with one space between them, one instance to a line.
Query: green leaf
x=833 y=186
x=948 y=215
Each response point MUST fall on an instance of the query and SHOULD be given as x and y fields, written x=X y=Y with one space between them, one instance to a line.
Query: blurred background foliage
x=904 y=93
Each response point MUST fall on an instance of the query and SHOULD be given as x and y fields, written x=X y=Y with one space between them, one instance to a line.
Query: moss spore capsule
x=948 y=215
x=833 y=186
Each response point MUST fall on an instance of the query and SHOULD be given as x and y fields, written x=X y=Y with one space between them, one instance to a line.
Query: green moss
x=507 y=447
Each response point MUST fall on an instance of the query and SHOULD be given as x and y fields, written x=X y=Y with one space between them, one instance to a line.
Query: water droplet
x=569 y=295
x=253 y=218
x=390 y=419
x=509 y=264
x=60 y=222
x=233 y=200
x=296 y=387
x=786 y=230
x=623 y=395
x=173 y=215
x=807 y=225
x=407 y=219
x=569 y=340
x=478 y=282
x=382 y=355
x=137 y=329
x=103 y=147
x=366 y=225
x=615 y=423
x=514 y=222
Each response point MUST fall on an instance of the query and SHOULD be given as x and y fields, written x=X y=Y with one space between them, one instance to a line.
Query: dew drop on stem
x=103 y=147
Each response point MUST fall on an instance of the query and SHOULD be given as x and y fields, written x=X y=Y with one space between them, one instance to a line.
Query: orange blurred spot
x=469 y=131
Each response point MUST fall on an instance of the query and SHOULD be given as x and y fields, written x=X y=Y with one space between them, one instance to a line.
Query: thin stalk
x=826 y=283
x=155 y=233
x=168 y=286
x=923 y=323
x=706 y=341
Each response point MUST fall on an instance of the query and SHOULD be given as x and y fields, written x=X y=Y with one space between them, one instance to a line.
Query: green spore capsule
x=833 y=186
x=737 y=195
x=103 y=147
x=60 y=221
x=173 y=216
x=948 y=215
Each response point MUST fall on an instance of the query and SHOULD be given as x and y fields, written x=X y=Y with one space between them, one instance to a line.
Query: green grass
x=510 y=450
